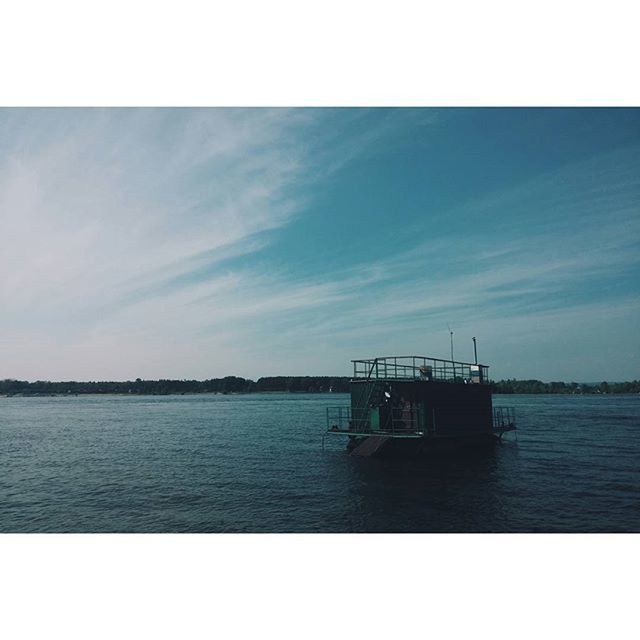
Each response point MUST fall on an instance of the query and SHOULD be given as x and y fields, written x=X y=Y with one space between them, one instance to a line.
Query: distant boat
x=411 y=404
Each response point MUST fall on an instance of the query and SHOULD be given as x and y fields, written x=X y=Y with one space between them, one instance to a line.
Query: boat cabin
x=413 y=402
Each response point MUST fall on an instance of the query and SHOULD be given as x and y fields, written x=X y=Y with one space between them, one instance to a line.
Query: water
x=254 y=463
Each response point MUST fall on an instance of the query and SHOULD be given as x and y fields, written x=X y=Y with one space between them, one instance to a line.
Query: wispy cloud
x=103 y=202
x=132 y=239
x=525 y=285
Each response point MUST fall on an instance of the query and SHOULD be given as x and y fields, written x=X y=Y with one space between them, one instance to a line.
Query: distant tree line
x=313 y=384
x=308 y=384
x=536 y=386
x=228 y=384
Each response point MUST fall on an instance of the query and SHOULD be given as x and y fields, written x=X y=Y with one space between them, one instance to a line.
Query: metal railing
x=399 y=420
x=504 y=418
x=339 y=419
x=420 y=368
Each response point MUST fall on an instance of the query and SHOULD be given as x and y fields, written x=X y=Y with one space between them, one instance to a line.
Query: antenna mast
x=451 y=336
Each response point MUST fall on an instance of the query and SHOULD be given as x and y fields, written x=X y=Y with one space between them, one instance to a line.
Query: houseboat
x=413 y=404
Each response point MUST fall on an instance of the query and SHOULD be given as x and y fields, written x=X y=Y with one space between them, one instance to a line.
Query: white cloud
x=112 y=223
x=98 y=209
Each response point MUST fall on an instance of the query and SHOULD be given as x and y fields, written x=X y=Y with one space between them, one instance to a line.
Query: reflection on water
x=444 y=491
x=254 y=463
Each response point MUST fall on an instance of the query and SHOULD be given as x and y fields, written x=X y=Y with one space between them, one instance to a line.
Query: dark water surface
x=254 y=463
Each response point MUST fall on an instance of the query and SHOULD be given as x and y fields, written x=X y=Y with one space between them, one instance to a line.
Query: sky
x=199 y=243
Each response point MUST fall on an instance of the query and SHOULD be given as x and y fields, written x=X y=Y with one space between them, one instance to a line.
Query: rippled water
x=254 y=463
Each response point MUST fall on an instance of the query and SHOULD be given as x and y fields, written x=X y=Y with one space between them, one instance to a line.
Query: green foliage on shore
x=536 y=386
x=308 y=384
x=313 y=384
x=229 y=384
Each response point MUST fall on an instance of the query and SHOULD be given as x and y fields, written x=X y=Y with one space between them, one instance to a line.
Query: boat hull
x=381 y=446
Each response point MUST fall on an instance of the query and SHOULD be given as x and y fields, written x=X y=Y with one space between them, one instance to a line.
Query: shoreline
x=289 y=392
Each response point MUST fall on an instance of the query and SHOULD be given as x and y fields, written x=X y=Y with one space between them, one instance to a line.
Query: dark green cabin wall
x=458 y=409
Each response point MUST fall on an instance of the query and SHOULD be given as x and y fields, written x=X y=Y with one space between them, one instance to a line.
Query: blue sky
x=196 y=243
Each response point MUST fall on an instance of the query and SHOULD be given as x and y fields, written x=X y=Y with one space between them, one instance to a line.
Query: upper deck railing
x=419 y=368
